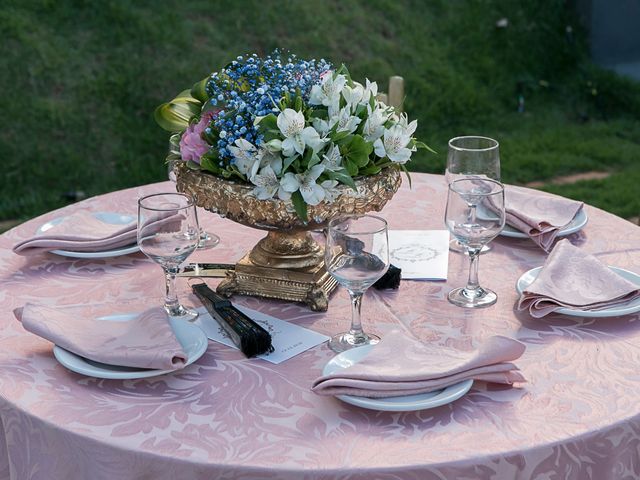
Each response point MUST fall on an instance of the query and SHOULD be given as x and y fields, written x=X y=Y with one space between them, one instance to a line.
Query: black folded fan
x=245 y=333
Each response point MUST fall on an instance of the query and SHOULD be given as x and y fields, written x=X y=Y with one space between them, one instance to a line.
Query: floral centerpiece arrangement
x=294 y=129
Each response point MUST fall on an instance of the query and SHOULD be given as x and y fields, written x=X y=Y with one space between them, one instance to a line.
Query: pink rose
x=192 y=145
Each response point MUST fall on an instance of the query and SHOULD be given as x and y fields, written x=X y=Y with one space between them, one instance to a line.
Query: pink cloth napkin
x=79 y=232
x=146 y=341
x=539 y=215
x=574 y=279
x=401 y=365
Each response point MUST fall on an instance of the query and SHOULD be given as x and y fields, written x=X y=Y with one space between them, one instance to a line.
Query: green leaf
x=271 y=135
x=369 y=170
x=319 y=112
x=341 y=177
x=299 y=205
x=287 y=162
x=340 y=137
x=343 y=70
x=351 y=166
x=209 y=165
x=314 y=160
x=176 y=115
x=185 y=96
x=199 y=92
x=404 y=169
x=268 y=122
x=419 y=144
x=357 y=151
x=361 y=112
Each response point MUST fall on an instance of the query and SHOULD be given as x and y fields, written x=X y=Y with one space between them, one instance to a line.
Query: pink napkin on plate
x=401 y=365
x=572 y=278
x=80 y=232
x=540 y=215
x=146 y=341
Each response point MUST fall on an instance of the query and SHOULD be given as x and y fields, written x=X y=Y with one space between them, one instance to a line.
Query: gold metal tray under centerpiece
x=288 y=263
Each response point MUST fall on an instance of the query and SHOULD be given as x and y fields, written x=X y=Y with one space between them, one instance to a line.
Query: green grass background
x=80 y=80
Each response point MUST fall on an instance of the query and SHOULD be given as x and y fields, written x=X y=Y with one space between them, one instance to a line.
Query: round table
x=229 y=417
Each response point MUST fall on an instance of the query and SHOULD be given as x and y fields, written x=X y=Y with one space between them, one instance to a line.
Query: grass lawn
x=80 y=80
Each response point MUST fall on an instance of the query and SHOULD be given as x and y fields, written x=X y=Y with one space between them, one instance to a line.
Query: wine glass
x=475 y=216
x=472 y=156
x=207 y=239
x=168 y=233
x=356 y=255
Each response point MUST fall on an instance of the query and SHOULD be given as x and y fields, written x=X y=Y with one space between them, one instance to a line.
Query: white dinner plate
x=578 y=222
x=632 y=306
x=193 y=340
x=405 y=403
x=106 y=217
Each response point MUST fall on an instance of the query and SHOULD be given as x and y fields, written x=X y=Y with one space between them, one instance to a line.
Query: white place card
x=421 y=254
x=288 y=339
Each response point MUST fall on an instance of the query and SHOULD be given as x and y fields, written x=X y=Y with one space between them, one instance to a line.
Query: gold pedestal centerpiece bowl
x=285 y=144
x=288 y=263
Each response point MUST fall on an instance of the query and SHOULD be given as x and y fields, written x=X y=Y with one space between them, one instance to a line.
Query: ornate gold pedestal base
x=309 y=285
x=287 y=264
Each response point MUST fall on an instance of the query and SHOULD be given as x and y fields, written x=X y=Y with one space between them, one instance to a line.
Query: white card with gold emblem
x=421 y=254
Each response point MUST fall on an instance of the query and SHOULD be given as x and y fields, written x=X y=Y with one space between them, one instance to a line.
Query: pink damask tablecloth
x=228 y=417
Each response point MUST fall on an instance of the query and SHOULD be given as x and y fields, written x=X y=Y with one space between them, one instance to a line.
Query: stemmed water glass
x=475 y=216
x=168 y=233
x=356 y=255
x=207 y=239
x=472 y=157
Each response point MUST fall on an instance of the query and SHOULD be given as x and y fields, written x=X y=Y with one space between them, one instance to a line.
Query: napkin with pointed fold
x=539 y=215
x=80 y=232
x=572 y=278
x=146 y=341
x=401 y=365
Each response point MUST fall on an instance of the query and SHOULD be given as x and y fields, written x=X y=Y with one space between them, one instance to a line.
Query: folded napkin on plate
x=539 y=215
x=571 y=278
x=401 y=365
x=80 y=232
x=146 y=341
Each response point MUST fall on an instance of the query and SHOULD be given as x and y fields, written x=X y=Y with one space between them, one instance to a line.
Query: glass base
x=181 y=312
x=456 y=246
x=208 y=240
x=477 y=298
x=346 y=341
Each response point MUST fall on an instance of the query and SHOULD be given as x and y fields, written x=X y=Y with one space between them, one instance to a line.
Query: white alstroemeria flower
x=328 y=92
x=272 y=159
x=394 y=145
x=291 y=125
x=332 y=160
x=246 y=156
x=409 y=128
x=353 y=95
x=370 y=90
x=321 y=126
x=312 y=193
x=331 y=191
x=345 y=121
x=313 y=140
x=374 y=124
x=267 y=185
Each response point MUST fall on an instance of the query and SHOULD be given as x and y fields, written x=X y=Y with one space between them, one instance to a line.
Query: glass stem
x=170 y=297
x=474 y=258
x=356 y=305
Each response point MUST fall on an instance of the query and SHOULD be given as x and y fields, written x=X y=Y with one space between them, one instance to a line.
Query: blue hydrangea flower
x=251 y=86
